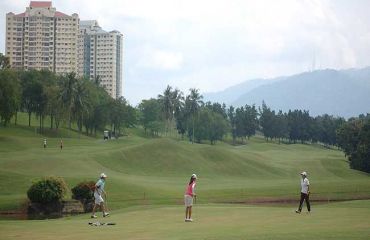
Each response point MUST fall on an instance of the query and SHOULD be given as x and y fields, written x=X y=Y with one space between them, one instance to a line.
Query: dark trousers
x=306 y=197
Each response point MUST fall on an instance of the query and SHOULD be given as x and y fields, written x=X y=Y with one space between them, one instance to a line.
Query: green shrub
x=47 y=190
x=84 y=191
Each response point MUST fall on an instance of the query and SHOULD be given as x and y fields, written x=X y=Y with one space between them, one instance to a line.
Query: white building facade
x=100 y=56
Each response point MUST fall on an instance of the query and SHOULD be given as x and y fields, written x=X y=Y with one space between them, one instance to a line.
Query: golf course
x=248 y=191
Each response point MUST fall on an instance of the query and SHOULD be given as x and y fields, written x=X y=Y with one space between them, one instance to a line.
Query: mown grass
x=147 y=177
x=154 y=171
x=346 y=220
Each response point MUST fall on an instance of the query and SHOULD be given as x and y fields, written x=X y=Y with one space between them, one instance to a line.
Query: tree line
x=84 y=103
x=198 y=120
x=298 y=126
x=188 y=115
x=76 y=101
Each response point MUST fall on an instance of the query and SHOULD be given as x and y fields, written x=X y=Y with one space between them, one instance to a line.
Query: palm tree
x=167 y=105
x=177 y=100
x=194 y=102
x=67 y=94
x=177 y=104
x=81 y=102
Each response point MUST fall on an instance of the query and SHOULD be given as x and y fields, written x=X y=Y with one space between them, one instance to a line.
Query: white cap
x=194 y=176
x=304 y=173
x=103 y=175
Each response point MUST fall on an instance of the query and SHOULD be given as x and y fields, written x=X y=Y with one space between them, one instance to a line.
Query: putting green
x=346 y=220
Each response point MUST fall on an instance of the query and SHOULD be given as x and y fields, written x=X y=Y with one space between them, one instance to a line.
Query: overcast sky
x=211 y=44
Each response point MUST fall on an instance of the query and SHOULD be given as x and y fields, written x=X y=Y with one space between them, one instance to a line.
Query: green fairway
x=347 y=220
x=147 y=178
x=155 y=171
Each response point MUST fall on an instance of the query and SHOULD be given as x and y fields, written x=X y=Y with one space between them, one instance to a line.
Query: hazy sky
x=211 y=44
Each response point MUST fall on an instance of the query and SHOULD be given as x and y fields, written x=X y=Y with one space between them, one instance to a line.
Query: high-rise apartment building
x=100 y=56
x=42 y=38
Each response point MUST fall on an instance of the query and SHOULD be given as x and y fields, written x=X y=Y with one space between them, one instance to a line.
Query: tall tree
x=150 y=111
x=96 y=115
x=177 y=103
x=122 y=115
x=80 y=102
x=9 y=95
x=53 y=105
x=232 y=120
x=250 y=120
x=47 y=79
x=31 y=91
x=210 y=125
x=192 y=103
x=267 y=118
x=281 y=125
x=68 y=88
x=240 y=123
x=181 y=120
x=300 y=125
x=166 y=101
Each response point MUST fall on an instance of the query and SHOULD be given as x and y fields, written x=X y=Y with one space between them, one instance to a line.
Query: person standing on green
x=189 y=196
x=98 y=192
x=305 y=193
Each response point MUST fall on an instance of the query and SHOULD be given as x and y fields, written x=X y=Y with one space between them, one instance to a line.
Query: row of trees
x=67 y=98
x=212 y=121
x=298 y=125
x=243 y=121
x=189 y=115
x=85 y=104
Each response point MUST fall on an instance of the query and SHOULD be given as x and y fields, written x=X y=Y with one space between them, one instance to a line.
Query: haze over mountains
x=343 y=93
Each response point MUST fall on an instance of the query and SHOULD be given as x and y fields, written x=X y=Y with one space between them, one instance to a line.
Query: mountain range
x=344 y=93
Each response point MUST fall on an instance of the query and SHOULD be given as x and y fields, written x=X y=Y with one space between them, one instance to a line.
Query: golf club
x=106 y=202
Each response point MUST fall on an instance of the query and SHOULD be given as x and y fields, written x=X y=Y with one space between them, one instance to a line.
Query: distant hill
x=343 y=93
x=231 y=94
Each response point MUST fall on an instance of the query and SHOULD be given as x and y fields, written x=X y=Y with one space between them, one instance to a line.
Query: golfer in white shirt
x=305 y=193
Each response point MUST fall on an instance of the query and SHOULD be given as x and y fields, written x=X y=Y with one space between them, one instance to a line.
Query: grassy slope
x=160 y=168
x=346 y=220
x=146 y=171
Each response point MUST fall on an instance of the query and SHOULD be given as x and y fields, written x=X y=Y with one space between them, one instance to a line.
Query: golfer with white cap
x=98 y=192
x=305 y=193
x=189 y=196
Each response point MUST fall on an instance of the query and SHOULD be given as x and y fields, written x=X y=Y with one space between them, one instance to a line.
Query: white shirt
x=304 y=185
x=100 y=186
